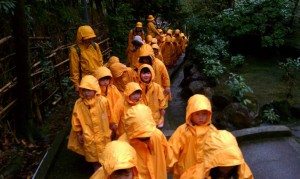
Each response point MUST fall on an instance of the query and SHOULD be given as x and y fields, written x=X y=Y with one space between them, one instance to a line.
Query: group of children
x=167 y=47
x=117 y=119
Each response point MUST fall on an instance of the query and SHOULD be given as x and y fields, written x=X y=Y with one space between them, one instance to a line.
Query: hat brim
x=151 y=19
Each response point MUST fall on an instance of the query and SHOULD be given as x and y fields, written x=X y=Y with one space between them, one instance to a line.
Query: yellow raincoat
x=111 y=60
x=161 y=73
x=158 y=55
x=187 y=141
x=153 y=96
x=117 y=155
x=167 y=51
x=122 y=75
x=221 y=149
x=178 y=51
x=153 y=156
x=89 y=59
x=151 y=29
x=91 y=118
x=130 y=48
x=123 y=105
x=110 y=92
x=184 y=42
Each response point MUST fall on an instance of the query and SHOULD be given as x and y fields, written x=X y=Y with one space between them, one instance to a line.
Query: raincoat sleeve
x=73 y=143
x=111 y=117
x=74 y=67
x=168 y=153
x=76 y=115
x=165 y=77
x=162 y=101
x=153 y=29
x=176 y=143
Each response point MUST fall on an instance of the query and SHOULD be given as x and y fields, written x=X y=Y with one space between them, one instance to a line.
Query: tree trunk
x=85 y=16
x=24 y=123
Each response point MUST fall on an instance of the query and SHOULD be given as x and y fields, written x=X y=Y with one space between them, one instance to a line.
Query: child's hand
x=161 y=125
x=80 y=139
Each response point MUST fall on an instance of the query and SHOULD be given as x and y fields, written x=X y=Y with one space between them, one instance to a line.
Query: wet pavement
x=273 y=158
x=269 y=155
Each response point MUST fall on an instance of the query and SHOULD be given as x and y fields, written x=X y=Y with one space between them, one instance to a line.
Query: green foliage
x=7 y=7
x=237 y=60
x=238 y=88
x=119 y=25
x=270 y=116
x=265 y=19
x=290 y=66
x=213 y=68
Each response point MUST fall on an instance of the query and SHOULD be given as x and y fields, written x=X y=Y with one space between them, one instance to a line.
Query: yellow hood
x=146 y=50
x=89 y=82
x=111 y=60
x=130 y=88
x=117 y=69
x=221 y=149
x=114 y=159
x=139 y=122
x=84 y=32
x=101 y=72
x=196 y=103
x=146 y=66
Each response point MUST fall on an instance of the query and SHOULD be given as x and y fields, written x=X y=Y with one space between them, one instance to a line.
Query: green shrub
x=238 y=88
x=270 y=116
x=237 y=60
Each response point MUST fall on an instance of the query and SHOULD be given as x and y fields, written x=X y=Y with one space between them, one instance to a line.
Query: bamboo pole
x=6 y=57
x=7 y=107
x=5 y=39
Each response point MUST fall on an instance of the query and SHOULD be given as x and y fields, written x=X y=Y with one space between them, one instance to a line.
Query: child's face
x=135 y=96
x=146 y=77
x=225 y=172
x=146 y=60
x=87 y=42
x=199 y=117
x=104 y=81
x=155 y=51
x=122 y=174
x=88 y=94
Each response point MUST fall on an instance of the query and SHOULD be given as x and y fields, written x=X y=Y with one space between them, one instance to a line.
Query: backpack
x=79 y=55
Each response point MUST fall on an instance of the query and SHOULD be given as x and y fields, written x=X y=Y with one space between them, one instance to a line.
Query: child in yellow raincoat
x=112 y=60
x=222 y=159
x=119 y=161
x=122 y=75
x=108 y=90
x=167 y=51
x=162 y=78
x=132 y=96
x=91 y=121
x=150 y=144
x=152 y=94
x=85 y=56
x=187 y=142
